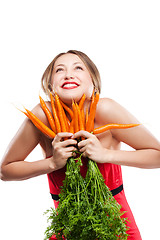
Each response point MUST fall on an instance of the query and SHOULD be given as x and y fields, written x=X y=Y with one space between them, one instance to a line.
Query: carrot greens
x=87 y=209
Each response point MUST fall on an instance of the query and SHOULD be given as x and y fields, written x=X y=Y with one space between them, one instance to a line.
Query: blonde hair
x=46 y=78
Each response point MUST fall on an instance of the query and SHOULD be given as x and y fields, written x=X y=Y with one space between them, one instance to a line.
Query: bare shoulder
x=109 y=111
x=105 y=104
x=105 y=108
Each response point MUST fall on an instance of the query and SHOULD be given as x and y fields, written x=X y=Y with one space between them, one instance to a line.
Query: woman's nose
x=69 y=75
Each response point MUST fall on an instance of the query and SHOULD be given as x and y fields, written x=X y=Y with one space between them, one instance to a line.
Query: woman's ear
x=95 y=90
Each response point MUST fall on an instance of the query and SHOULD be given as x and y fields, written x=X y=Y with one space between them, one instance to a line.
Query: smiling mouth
x=70 y=85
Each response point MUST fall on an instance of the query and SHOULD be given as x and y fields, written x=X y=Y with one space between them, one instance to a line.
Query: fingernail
x=70 y=134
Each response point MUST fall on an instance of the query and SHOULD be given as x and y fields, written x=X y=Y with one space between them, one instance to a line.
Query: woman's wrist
x=51 y=164
x=108 y=156
x=55 y=164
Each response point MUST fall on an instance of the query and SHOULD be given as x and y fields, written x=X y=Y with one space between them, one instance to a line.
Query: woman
x=71 y=75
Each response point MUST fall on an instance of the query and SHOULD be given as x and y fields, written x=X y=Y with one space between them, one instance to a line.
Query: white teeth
x=70 y=85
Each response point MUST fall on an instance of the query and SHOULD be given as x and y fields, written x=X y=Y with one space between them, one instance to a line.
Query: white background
x=122 y=38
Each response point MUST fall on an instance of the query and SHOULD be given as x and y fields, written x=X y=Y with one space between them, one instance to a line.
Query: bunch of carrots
x=79 y=120
x=87 y=209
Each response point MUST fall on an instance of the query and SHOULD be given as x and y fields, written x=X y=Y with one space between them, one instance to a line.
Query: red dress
x=113 y=179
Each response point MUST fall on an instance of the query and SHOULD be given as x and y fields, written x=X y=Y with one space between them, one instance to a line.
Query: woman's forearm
x=21 y=170
x=146 y=158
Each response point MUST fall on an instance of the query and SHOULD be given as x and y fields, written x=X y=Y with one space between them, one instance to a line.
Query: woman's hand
x=91 y=146
x=62 y=149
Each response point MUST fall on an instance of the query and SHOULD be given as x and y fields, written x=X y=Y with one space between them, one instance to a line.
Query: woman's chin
x=69 y=97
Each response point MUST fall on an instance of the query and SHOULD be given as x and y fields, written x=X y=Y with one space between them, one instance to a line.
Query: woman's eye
x=59 y=69
x=79 y=68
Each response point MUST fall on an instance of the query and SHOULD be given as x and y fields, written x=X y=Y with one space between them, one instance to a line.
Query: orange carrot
x=113 y=126
x=48 y=114
x=96 y=99
x=67 y=109
x=80 y=120
x=39 y=124
x=89 y=115
x=81 y=102
x=66 y=120
x=71 y=127
x=90 y=123
x=75 y=116
x=60 y=113
x=33 y=121
x=57 y=122
x=83 y=117
x=86 y=118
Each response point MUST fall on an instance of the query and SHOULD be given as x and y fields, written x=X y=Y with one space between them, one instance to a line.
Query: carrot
x=35 y=123
x=67 y=109
x=89 y=115
x=81 y=102
x=90 y=123
x=71 y=127
x=113 y=126
x=39 y=124
x=57 y=122
x=94 y=110
x=66 y=120
x=75 y=116
x=80 y=120
x=86 y=118
x=60 y=113
x=83 y=117
x=48 y=114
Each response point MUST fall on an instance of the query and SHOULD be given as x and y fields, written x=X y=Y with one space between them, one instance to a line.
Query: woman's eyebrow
x=61 y=64
x=77 y=63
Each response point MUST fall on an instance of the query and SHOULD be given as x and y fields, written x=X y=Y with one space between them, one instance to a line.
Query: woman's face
x=71 y=79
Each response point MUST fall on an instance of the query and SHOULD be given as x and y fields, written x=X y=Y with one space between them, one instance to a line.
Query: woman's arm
x=13 y=166
x=145 y=158
x=147 y=154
